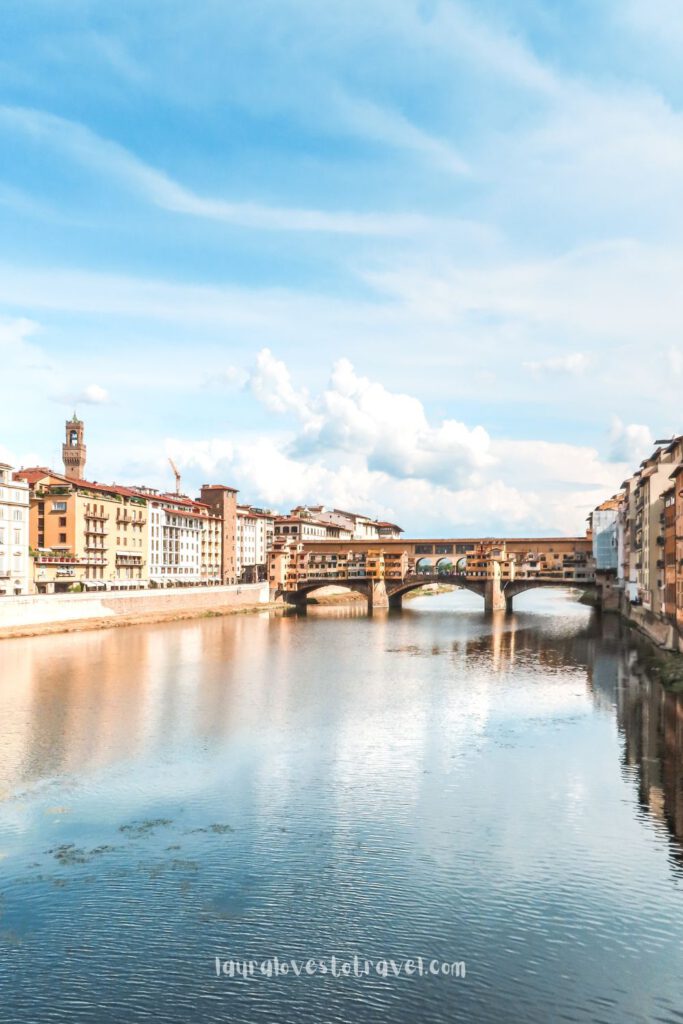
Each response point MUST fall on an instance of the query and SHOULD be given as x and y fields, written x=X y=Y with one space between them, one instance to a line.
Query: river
x=506 y=792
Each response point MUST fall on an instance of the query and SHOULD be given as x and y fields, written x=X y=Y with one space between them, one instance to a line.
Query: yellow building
x=85 y=535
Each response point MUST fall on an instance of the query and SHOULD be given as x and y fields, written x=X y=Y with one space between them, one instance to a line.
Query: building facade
x=184 y=541
x=85 y=535
x=222 y=502
x=677 y=478
x=255 y=535
x=15 y=575
x=352 y=525
x=649 y=543
x=604 y=533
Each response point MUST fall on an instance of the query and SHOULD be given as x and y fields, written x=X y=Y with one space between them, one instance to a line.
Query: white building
x=15 y=575
x=351 y=525
x=184 y=541
x=305 y=527
x=255 y=532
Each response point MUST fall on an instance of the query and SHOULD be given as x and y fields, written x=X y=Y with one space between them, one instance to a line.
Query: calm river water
x=432 y=783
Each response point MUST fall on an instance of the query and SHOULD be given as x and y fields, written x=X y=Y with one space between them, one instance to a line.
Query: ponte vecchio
x=384 y=570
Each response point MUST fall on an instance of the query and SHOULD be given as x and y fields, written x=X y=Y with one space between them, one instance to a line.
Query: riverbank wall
x=58 y=613
x=660 y=631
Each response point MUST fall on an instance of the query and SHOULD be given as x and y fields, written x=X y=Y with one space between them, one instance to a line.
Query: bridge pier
x=396 y=601
x=494 y=597
x=377 y=595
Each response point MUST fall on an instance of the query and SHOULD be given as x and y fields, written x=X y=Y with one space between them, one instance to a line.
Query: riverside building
x=15 y=576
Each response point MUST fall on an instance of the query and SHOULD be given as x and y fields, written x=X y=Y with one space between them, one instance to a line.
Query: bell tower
x=73 y=449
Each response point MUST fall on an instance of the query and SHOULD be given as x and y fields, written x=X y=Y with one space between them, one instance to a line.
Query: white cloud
x=658 y=19
x=359 y=445
x=91 y=394
x=14 y=333
x=271 y=383
x=630 y=443
x=675 y=360
x=572 y=363
x=19 y=354
x=359 y=416
x=230 y=377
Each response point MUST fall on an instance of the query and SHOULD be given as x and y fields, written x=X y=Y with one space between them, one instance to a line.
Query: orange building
x=85 y=535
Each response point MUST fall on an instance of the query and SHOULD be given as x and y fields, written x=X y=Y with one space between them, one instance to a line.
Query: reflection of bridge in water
x=383 y=571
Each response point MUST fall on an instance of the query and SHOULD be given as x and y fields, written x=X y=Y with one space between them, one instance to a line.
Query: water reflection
x=651 y=720
x=506 y=789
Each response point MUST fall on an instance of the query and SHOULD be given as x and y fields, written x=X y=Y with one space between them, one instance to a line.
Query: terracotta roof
x=306 y=519
x=189 y=514
x=33 y=474
x=608 y=505
x=93 y=485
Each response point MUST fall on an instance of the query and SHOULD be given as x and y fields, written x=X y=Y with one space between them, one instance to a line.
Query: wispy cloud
x=116 y=162
x=573 y=363
x=90 y=394
x=391 y=127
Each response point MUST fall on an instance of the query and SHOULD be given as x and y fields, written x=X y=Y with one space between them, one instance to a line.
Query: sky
x=417 y=258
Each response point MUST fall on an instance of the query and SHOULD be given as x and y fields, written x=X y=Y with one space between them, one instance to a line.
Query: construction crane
x=176 y=475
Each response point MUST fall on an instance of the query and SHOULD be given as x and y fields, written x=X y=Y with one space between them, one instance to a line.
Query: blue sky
x=418 y=258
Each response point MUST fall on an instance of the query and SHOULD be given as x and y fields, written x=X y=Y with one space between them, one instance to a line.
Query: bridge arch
x=360 y=586
x=424 y=565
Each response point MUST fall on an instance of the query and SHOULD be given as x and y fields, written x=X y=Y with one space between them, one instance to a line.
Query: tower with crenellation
x=73 y=449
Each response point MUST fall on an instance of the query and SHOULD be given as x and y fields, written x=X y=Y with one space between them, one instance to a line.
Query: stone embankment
x=59 y=613
x=658 y=630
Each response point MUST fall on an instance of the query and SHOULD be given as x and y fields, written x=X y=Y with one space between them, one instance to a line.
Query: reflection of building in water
x=651 y=720
x=606 y=661
x=516 y=638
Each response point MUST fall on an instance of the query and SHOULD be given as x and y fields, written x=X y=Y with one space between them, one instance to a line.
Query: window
x=17 y=536
x=424 y=549
x=62 y=520
x=59 y=506
x=18 y=515
x=62 y=538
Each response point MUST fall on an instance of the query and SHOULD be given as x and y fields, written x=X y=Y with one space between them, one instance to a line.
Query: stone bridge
x=384 y=570
x=497 y=594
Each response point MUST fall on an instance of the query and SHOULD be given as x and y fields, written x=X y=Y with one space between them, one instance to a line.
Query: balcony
x=96 y=515
x=98 y=533
x=56 y=560
x=125 y=517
